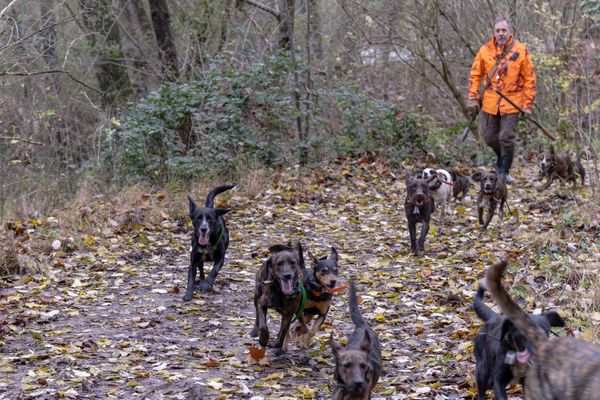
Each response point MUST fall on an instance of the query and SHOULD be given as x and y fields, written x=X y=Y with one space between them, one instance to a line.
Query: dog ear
x=366 y=343
x=554 y=319
x=334 y=255
x=301 y=263
x=265 y=271
x=477 y=176
x=314 y=259
x=507 y=325
x=192 y=205
x=336 y=347
x=222 y=211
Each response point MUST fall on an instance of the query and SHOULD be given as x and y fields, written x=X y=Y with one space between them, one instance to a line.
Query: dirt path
x=108 y=320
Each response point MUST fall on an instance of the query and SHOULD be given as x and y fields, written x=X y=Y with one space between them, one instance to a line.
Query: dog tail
x=480 y=308
x=355 y=313
x=210 y=199
x=579 y=169
x=511 y=310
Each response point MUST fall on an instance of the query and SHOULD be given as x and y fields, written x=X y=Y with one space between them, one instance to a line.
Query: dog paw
x=279 y=351
x=188 y=296
x=205 y=287
x=263 y=337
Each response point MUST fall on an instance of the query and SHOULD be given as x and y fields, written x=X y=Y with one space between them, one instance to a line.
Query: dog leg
x=317 y=324
x=547 y=184
x=254 y=331
x=412 y=230
x=286 y=320
x=500 y=388
x=206 y=285
x=501 y=211
x=263 y=329
x=191 y=278
x=491 y=211
x=424 y=231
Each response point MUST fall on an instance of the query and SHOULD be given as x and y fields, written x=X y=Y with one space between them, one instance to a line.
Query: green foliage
x=235 y=118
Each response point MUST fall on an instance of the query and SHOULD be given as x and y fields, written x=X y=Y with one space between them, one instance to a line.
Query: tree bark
x=136 y=47
x=105 y=40
x=316 y=36
x=161 y=21
x=48 y=33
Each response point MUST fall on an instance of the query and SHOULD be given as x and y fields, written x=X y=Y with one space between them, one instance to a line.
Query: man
x=504 y=64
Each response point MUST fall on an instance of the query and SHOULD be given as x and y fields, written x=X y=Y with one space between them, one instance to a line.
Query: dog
x=318 y=282
x=279 y=286
x=560 y=166
x=418 y=206
x=441 y=187
x=502 y=353
x=492 y=191
x=561 y=368
x=358 y=363
x=210 y=240
x=461 y=185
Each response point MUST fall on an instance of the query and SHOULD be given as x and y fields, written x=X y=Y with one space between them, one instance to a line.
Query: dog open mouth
x=287 y=286
x=203 y=239
x=523 y=357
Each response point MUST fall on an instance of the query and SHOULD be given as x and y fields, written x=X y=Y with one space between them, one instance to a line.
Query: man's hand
x=526 y=114
x=473 y=107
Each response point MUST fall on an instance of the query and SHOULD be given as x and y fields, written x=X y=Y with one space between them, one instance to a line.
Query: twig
x=263 y=7
x=5 y=9
x=50 y=71
x=20 y=140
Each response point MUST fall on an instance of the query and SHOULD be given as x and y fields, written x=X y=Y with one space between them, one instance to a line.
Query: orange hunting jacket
x=514 y=78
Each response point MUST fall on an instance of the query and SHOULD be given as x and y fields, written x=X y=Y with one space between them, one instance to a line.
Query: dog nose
x=287 y=277
x=332 y=284
x=203 y=229
x=359 y=385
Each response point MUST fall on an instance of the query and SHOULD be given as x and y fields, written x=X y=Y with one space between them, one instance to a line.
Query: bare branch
x=11 y=138
x=5 y=9
x=47 y=72
x=263 y=7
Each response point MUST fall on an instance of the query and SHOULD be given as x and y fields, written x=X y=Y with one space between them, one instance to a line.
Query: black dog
x=501 y=351
x=358 y=363
x=492 y=191
x=210 y=240
x=418 y=205
x=279 y=286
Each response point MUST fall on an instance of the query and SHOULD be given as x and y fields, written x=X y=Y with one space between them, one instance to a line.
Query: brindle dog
x=560 y=166
x=492 y=191
x=358 y=364
x=562 y=368
x=318 y=281
x=461 y=185
x=278 y=286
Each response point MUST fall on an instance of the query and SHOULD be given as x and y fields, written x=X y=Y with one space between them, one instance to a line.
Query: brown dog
x=562 y=368
x=560 y=166
x=358 y=364
x=278 y=286
x=492 y=191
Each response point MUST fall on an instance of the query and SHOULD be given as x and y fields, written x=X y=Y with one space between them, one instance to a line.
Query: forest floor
x=103 y=316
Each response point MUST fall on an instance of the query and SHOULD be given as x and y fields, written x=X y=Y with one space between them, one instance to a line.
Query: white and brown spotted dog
x=440 y=187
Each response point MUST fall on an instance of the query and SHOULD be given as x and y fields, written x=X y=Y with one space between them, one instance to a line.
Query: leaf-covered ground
x=105 y=318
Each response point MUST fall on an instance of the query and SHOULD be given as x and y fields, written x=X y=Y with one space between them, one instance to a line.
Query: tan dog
x=358 y=364
x=562 y=368
x=553 y=166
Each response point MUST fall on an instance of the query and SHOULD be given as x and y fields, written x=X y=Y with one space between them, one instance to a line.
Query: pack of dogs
x=513 y=347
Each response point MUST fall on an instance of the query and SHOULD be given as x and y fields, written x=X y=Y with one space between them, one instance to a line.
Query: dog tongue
x=286 y=287
x=523 y=356
x=203 y=240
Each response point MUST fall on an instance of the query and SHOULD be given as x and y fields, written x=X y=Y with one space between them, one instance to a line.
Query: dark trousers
x=499 y=134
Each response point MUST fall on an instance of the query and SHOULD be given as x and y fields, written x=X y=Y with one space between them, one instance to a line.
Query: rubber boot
x=505 y=164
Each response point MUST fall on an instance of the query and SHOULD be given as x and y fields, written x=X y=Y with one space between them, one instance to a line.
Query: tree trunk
x=315 y=28
x=106 y=42
x=286 y=23
x=229 y=5
x=136 y=47
x=48 y=33
x=161 y=21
